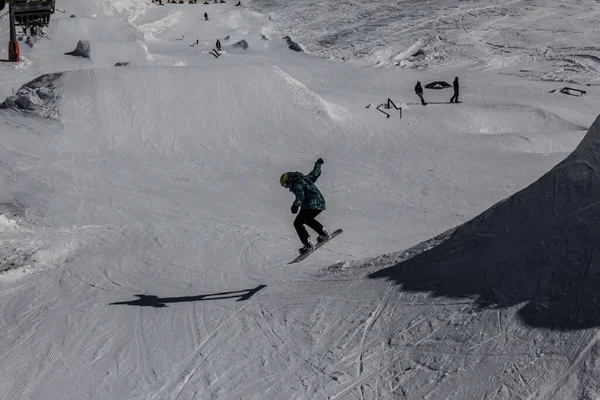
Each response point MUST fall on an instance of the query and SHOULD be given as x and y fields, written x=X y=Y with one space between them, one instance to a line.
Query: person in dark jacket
x=419 y=92
x=454 y=98
x=218 y=45
x=309 y=201
x=205 y=16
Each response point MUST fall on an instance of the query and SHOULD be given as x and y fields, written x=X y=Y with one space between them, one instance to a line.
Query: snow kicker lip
x=495 y=119
x=538 y=248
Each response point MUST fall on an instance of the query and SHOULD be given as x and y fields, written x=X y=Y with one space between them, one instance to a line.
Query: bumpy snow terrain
x=144 y=235
x=545 y=39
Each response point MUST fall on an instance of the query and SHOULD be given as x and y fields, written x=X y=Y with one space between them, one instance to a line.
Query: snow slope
x=529 y=261
x=547 y=39
x=144 y=236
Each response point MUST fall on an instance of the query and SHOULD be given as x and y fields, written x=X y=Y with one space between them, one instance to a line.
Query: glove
x=320 y=161
x=294 y=208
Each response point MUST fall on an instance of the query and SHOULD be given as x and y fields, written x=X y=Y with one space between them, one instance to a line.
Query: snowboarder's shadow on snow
x=155 y=301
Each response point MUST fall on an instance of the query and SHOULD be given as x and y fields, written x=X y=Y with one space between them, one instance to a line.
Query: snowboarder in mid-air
x=309 y=201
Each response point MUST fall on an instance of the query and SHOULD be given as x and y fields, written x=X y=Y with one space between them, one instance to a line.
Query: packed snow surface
x=547 y=39
x=144 y=236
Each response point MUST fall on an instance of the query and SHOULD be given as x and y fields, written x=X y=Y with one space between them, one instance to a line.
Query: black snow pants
x=454 y=98
x=307 y=217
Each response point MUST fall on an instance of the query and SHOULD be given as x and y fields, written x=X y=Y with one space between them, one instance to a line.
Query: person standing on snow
x=311 y=202
x=205 y=16
x=454 y=98
x=218 y=45
x=419 y=92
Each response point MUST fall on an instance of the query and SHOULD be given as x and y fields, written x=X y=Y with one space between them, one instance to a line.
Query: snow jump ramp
x=537 y=251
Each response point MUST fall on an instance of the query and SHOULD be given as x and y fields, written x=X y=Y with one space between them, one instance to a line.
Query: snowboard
x=316 y=246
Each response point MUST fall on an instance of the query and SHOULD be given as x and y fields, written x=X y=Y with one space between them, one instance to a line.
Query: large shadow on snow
x=155 y=301
x=539 y=248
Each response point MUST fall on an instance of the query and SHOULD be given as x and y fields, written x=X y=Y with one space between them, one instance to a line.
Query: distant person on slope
x=454 y=98
x=218 y=45
x=419 y=92
x=310 y=200
x=205 y=16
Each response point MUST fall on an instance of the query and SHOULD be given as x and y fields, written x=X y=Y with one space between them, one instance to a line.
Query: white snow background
x=469 y=264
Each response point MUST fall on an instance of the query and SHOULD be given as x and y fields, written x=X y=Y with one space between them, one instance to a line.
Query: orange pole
x=14 y=53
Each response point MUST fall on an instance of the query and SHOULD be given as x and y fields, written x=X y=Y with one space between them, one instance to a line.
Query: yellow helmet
x=283 y=179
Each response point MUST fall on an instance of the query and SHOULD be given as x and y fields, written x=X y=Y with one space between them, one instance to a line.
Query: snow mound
x=419 y=55
x=38 y=97
x=106 y=101
x=510 y=118
x=15 y=254
x=234 y=20
x=540 y=143
x=306 y=98
x=7 y=224
x=537 y=251
x=161 y=25
x=412 y=50
x=242 y=44
x=82 y=49
x=114 y=38
x=128 y=8
x=23 y=251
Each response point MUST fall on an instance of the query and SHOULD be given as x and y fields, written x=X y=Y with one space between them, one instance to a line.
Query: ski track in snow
x=376 y=313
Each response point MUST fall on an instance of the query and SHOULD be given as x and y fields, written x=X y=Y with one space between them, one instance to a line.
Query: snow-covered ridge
x=529 y=262
x=131 y=9
x=114 y=39
x=24 y=251
x=269 y=99
x=128 y=9
x=534 y=247
x=161 y=25
x=305 y=98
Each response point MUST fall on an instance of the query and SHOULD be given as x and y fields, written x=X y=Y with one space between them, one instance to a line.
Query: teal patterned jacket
x=303 y=186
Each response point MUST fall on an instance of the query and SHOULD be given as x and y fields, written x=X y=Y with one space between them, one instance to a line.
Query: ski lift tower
x=28 y=14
